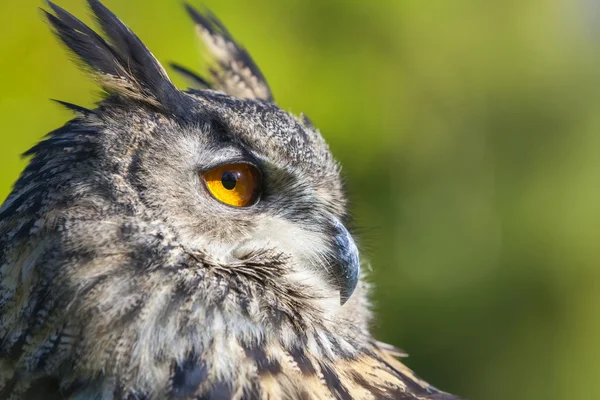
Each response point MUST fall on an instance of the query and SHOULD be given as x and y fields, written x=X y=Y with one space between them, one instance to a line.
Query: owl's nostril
x=347 y=265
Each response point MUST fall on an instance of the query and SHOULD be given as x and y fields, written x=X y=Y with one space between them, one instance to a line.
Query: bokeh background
x=469 y=133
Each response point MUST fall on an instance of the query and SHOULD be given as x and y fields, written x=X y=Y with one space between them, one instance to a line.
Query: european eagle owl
x=173 y=244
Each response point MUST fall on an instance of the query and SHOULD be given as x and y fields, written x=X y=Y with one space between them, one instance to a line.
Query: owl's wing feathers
x=392 y=350
x=375 y=374
x=234 y=72
x=418 y=388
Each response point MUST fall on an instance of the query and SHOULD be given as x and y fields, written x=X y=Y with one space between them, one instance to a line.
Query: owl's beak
x=347 y=263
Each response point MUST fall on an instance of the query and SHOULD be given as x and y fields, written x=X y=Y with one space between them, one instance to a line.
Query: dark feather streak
x=264 y=364
x=187 y=377
x=74 y=107
x=380 y=392
x=334 y=383
x=194 y=79
x=303 y=361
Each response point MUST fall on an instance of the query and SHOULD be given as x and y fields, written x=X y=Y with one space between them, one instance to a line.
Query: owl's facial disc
x=347 y=264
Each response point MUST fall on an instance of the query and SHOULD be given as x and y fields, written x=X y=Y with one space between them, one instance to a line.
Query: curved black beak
x=347 y=262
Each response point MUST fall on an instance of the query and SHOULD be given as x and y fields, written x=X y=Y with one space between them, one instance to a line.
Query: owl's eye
x=236 y=185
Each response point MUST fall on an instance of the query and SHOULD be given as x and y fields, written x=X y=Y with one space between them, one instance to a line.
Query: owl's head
x=156 y=179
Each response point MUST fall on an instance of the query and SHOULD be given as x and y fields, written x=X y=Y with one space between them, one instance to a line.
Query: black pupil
x=228 y=180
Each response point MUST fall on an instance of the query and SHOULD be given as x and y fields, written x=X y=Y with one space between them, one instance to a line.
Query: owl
x=172 y=244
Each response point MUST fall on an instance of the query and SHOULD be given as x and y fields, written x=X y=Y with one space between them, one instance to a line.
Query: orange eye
x=234 y=184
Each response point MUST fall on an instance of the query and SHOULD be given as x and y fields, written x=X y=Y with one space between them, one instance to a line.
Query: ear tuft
x=123 y=65
x=235 y=73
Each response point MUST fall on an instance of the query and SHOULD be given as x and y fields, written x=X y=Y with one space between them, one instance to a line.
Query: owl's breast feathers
x=263 y=374
x=191 y=329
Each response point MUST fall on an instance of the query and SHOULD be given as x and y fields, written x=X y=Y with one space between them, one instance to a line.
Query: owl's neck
x=145 y=314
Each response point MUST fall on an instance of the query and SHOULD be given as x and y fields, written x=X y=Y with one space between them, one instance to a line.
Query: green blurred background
x=469 y=133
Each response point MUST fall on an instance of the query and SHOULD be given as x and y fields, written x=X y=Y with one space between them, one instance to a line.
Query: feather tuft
x=235 y=72
x=122 y=64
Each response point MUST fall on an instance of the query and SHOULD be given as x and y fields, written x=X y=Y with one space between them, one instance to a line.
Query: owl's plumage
x=121 y=277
